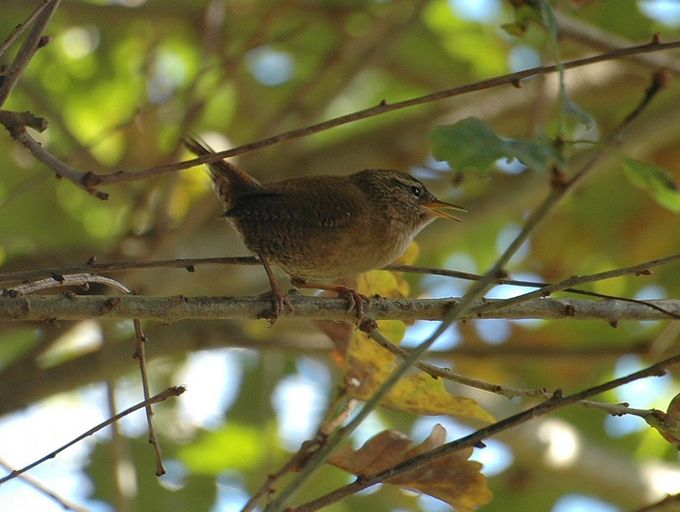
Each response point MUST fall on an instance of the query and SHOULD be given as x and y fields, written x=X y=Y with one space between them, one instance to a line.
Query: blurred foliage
x=122 y=81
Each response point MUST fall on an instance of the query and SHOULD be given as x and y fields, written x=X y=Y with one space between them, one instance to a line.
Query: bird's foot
x=355 y=300
x=280 y=303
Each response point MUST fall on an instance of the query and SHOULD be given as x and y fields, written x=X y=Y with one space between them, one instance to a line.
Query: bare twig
x=555 y=402
x=371 y=329
x=336 y=414
x=604 y=40
x=445 y=373
x=33 y=42
x=294 y=462
x=93 y=180
x=163 y=395
x=62 y=502
x=140 y=355
x=60 y=280
x=642 y=269
x=20 y=28
x=188 y=264
x=16 y=123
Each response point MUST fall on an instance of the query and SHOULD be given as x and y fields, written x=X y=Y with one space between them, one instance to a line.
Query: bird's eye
x=416 y=191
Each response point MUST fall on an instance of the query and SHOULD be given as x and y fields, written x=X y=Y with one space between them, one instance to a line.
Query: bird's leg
x=355 y=299
x=279 y=298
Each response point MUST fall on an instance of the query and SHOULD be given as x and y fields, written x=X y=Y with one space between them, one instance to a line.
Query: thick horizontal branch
x=170 y=309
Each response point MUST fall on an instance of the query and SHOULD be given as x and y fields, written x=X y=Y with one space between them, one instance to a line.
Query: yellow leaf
x=422 y=394
x=383 y=283
x=370 y=365
x=451 y=478
x=410 y=256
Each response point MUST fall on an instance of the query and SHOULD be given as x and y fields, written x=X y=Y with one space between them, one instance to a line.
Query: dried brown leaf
x=451 y=478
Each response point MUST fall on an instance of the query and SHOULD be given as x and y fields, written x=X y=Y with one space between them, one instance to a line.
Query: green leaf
x=655 y=180
x=536 y=154
x=472 y=144
x=233 y=446
x=467 y=144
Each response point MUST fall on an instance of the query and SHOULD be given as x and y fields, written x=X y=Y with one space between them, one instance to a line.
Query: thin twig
x=567 y=284
x=336 y=414
x=163 y=395
x=33 y=42
x=82 y=280
x=94 y=180
x=604 y=40
x=62 y=502
x=188 y=264
x=472 y=440
x=140 y=355
x=267 y=488
x=18 y=131
x=20 y=28
x=437 y=372
x=447 y=374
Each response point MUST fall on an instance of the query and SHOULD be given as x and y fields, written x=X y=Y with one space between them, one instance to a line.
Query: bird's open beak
x=440 y=209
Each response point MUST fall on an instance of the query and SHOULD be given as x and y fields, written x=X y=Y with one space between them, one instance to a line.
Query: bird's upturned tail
x=228 y=180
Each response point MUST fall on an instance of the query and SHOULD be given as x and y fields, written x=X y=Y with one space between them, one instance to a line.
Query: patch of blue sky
x=231 y=494
x=523 y=56
x=506 y=236
x=26 y=439
x=493 y=331
x=421 y=330
x=213 y=379
x=269 y=66
x=645 y=393
x=484 y=11
x=666 y=12
x=582 y=503
x=300 y=401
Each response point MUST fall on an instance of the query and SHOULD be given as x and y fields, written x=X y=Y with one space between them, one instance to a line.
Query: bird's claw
x=355 y=300
x=280 y=302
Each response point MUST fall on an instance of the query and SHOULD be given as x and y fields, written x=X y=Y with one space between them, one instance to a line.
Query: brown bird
x=324 y=227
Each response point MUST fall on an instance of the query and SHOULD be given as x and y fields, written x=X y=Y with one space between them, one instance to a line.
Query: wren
x=324 y=227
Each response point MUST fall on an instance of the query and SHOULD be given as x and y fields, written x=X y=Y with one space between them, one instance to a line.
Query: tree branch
x=32 y=44
x=91 y=180
x=163 y=395
x=16 y=124
x=32 y=482
x=174 y=308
